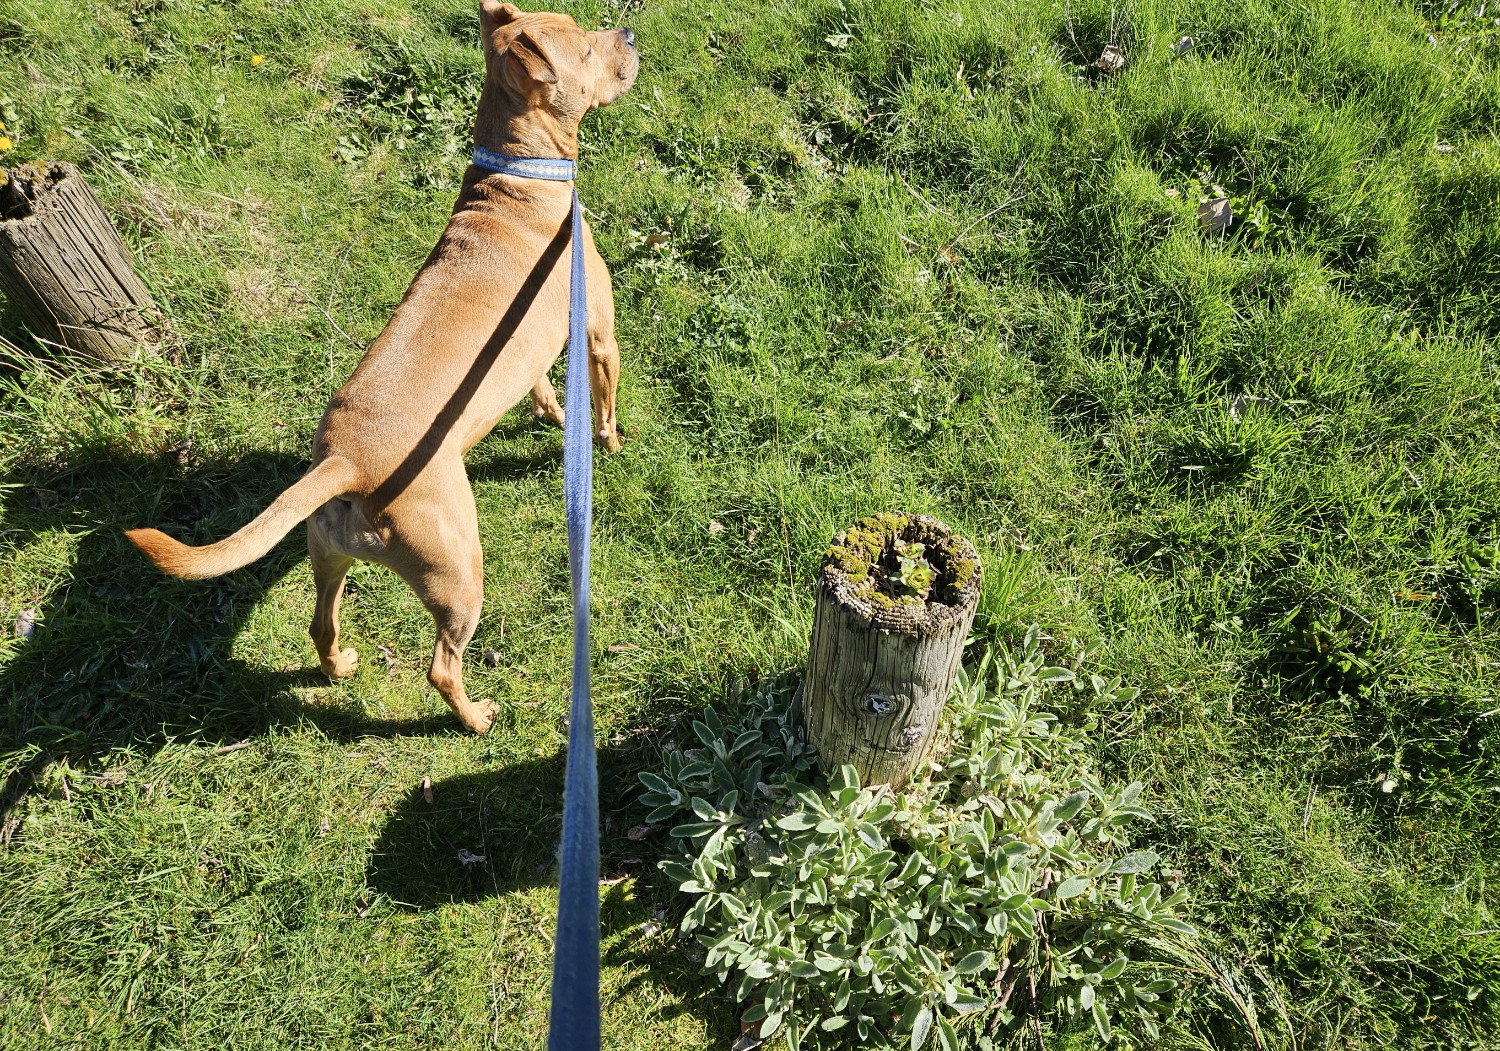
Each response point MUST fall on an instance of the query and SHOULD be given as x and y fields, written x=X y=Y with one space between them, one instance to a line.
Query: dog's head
x=544 y=62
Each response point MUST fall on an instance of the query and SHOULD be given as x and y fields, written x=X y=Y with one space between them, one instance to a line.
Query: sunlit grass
x=915 y=257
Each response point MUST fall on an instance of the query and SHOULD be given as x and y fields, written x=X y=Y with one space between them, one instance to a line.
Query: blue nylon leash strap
x=574 y=1022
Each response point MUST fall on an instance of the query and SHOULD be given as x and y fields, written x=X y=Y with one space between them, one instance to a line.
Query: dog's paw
x=609 y=441
x=480 y=715
x=342 y=666
x=558 y=419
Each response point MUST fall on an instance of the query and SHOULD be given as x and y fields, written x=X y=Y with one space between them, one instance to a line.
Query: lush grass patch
x=917 y=256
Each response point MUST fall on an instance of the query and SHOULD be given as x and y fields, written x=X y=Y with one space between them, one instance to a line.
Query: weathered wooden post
x=64 y=268
x=896 y=599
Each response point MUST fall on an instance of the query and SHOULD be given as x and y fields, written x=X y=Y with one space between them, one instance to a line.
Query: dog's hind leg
x=330 y=566
x=454 y=600
x=438 y=554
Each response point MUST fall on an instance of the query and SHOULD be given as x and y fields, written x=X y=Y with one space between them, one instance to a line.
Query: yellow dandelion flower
x=5 y=144
x=257 y=60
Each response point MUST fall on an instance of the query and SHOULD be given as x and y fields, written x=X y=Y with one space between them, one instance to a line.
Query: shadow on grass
x=123 y=656
x=486 y=463
x=511 y=817
x=666 y=962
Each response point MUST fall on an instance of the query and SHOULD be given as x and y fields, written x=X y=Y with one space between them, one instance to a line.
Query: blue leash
x=574 y=1024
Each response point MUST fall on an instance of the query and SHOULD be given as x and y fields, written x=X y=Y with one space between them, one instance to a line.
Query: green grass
x=918 y=257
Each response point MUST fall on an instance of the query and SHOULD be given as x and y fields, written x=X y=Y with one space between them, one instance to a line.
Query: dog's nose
x=629 y=35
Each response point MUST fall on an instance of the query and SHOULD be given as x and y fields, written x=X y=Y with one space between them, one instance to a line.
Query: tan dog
x=479 y=327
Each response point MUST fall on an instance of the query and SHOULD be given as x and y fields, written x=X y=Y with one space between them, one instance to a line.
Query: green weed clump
x=1005 y=865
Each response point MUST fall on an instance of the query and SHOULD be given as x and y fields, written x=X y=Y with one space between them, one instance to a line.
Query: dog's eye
x=590 y=53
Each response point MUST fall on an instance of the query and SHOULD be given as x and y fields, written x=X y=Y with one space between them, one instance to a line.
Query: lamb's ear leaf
x=530 y=61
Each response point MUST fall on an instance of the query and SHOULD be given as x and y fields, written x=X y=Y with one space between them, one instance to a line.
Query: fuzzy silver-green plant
x=1003 y=868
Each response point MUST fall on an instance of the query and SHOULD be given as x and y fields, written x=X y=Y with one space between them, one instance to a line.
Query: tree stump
x=887 y=640
x=64 y=268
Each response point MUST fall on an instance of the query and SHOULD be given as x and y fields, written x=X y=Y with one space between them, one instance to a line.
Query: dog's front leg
x=604 y=352
x=544 y=403
x=604 y=376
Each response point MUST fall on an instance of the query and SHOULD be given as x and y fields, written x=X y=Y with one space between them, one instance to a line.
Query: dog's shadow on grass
x=483 y=834
x=486 y=462
x=122 y=656
x=511 y=816
x=495 y=832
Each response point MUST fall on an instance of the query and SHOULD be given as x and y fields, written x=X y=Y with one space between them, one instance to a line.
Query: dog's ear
x=527 y=61
x=492 y=15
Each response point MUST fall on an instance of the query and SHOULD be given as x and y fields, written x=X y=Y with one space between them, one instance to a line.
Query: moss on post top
x=863 y=570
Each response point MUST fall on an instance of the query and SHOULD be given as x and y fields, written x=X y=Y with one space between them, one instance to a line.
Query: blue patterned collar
x=554 y=169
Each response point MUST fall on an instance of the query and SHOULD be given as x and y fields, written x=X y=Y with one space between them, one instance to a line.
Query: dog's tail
x=325 y=481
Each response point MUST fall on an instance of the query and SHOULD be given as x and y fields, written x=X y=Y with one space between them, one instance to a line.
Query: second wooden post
x=896 y=599
x=64 y=268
